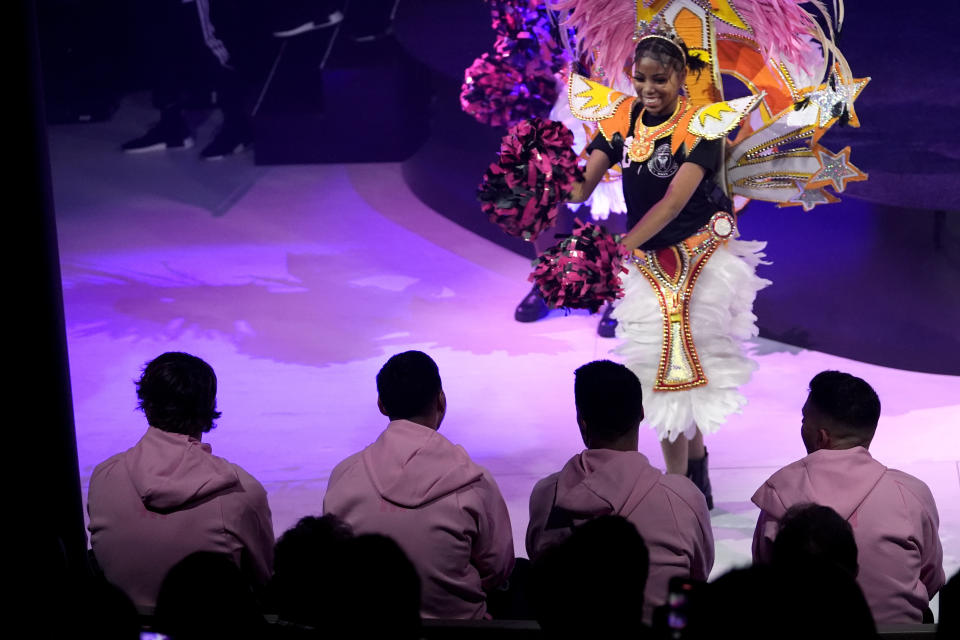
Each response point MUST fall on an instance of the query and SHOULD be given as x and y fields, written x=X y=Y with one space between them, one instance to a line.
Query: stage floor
x=297 y=283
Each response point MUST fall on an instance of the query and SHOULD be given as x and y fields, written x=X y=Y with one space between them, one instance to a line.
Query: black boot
x=532 y=307
x=697 y=472
x=170 y=133
x=608 y=326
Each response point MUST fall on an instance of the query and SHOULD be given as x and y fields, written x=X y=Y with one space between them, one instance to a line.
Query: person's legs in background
x=178 y=64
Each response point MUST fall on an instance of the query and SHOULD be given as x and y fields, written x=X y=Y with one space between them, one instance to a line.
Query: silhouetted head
x=178 y=393
x=303 y=557
x=592 y=583
x=378 y=591
x=814 y=533
x=409 y=388
x=609 y=403
x=205 y=596
x=760 y=602
x=841 y=412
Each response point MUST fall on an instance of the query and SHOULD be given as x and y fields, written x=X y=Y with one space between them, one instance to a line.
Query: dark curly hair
x=178 y=393
x=669 y=55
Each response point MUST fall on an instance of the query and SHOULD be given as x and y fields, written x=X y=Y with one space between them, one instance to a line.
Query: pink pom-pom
x=583 y=270
x=536 y=170
x=498 y=94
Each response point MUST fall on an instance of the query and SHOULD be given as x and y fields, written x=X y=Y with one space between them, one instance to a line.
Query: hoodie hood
x=837 y=478
x=603 y=481
x=410 y=465
x=170 y=470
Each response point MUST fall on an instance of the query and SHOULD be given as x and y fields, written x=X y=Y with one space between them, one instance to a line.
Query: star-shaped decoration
x=591 y=100
x=835 y=169
x=647 y=9
x=598 y=96
x=831 y=98
x=715 y=111
x=809 y=198
x=725 y=11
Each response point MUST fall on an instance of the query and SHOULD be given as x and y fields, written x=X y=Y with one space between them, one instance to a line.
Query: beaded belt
x=673 y=271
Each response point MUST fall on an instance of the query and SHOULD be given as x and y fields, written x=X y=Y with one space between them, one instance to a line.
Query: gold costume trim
x=679 y=366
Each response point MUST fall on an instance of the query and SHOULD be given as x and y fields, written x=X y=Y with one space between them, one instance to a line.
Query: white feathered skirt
x=721 y=318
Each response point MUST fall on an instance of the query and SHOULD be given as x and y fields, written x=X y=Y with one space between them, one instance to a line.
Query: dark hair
x=407 y=384
x=609 y=398
x=592 y=583
x=378 y=591
x=302 y=556
x=669 y=55
x=205 y=595
x=811 y=533
x=761 y=601
x=847 y=400
x=178 y=393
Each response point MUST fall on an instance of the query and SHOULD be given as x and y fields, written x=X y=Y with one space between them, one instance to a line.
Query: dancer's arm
x=597 y=164
x=678 y=194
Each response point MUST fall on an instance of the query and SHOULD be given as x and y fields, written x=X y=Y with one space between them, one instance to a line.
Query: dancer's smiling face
x=657 y=86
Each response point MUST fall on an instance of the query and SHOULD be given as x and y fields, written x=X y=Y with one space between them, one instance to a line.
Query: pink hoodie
x=167 y=497
x=444 y=511
x=894 y=520
x=668 y=510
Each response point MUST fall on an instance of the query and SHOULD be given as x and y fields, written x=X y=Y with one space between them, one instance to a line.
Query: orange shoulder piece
x=619 y=122
x=681 y=136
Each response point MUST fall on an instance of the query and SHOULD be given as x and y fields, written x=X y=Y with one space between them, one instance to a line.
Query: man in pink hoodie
x=611 y=477
x=415 y=486
x=169 y=496
x=893 y=515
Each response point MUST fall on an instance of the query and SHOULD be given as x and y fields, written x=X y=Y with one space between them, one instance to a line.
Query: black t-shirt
x=645 y=183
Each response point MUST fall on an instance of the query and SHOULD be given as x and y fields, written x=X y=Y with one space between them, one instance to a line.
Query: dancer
x=691 y=282
x=680 y=229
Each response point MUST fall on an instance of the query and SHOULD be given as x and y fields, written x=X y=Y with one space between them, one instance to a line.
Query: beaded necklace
x=644 y=137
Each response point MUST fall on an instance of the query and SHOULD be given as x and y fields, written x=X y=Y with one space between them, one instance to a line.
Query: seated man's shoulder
x=912 y=485
x=547 y=483
x=247 y=481
x=680 y=488
x=109 y=467
x=788 y=473
x=350 y=462
x=482 y=480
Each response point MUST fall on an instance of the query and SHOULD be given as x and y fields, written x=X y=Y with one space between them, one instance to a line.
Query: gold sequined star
x=835 y=169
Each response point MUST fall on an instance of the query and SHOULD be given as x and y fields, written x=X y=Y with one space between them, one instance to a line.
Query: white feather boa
x=721 y=317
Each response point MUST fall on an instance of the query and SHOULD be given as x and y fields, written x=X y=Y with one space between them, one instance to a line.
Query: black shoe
x=306 y=15
x=608 y=326
x=170 y=133
x=697 y=472
x=228 y=141
x=532 y=307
